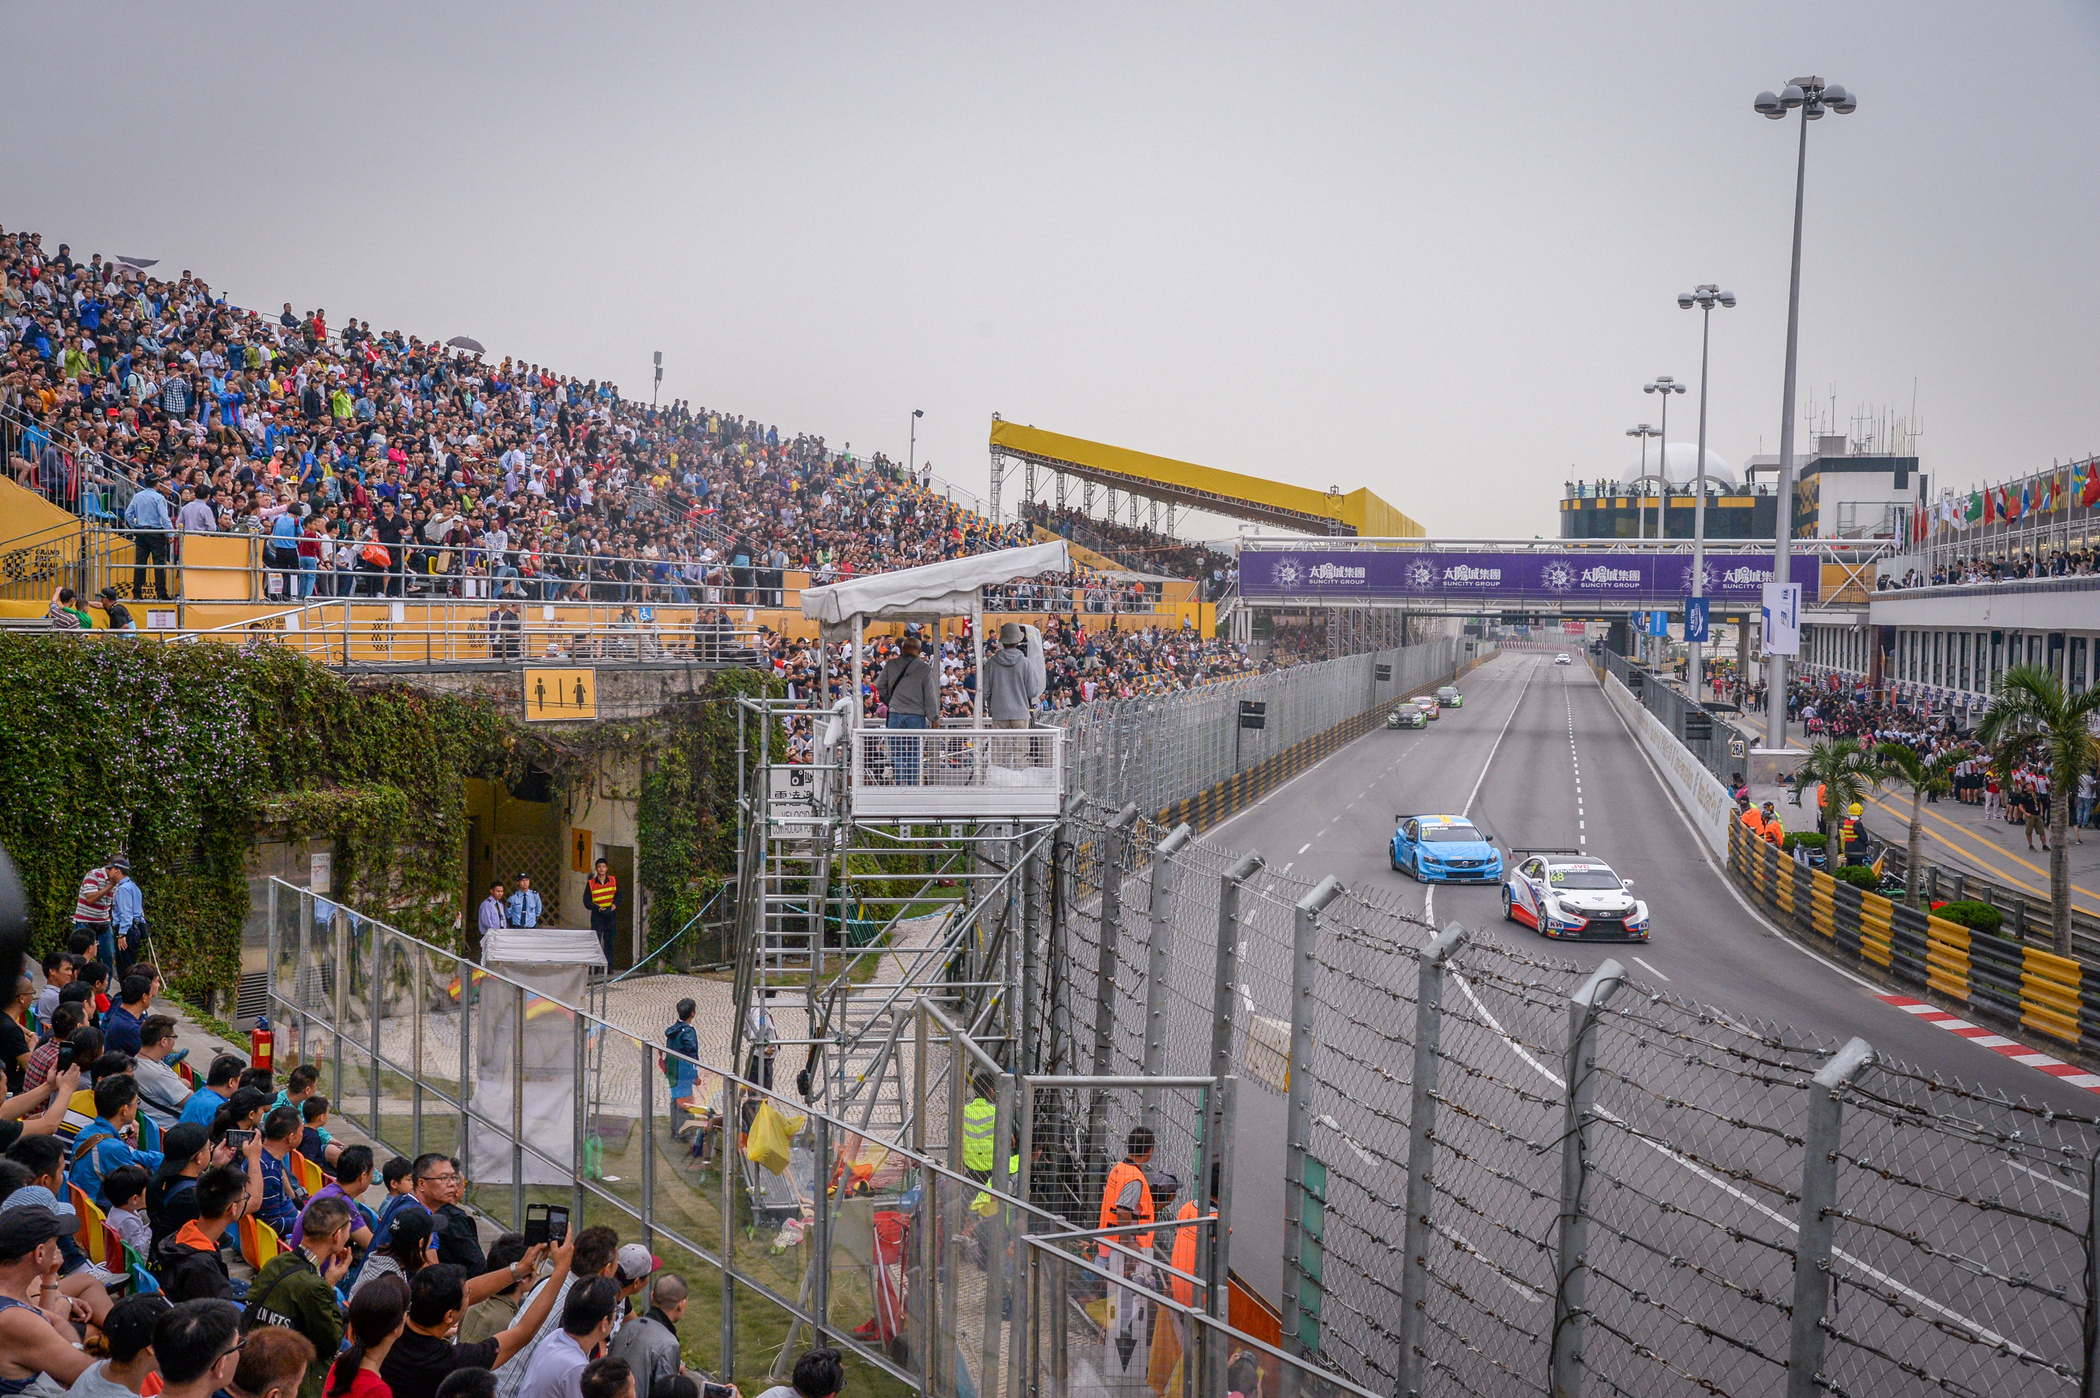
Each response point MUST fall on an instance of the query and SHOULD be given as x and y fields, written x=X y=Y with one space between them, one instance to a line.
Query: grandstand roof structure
x=1293 y=507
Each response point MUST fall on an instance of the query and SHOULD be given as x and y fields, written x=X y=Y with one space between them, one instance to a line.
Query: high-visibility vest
x=984 y=1205
x=1185 y=1254
x=1755 y=820
x=603 y=895
x=979 y=1119
x=1120 y=1176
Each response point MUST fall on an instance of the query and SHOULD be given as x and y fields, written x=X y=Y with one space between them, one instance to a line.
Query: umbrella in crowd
x=464 y=342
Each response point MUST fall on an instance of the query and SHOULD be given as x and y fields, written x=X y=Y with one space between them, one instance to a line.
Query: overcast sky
x=1429 y=249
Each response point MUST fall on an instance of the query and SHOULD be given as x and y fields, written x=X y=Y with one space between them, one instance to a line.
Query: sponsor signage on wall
x=1571 y=577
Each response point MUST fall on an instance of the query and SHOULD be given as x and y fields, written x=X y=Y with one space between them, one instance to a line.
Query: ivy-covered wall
x=173 y=754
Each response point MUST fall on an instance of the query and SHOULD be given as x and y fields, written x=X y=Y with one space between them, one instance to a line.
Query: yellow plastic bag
x=770 y=1138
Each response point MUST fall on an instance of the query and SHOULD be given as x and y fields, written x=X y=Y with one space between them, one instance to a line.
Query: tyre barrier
x=1994 y=977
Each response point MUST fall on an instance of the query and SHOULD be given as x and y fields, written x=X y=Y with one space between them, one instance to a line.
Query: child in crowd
x=398 y=1177
x=125 y=1189
x=314 y=1141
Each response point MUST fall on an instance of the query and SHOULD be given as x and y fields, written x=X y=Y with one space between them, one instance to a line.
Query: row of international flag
x=2077 y=485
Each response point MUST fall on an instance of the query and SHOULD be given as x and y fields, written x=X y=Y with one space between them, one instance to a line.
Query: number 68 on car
x=1566 y=895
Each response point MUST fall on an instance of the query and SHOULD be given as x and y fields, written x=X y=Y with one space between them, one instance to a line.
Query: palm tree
x=2032 y=716
x=1847 y=772
x=1924 y=776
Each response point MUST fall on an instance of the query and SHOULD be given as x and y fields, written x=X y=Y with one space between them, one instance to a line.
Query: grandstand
x=1180 y=484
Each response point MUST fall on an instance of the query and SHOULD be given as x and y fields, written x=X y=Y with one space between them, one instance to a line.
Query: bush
x=1973 y=914
x=1859 y=876
x=1808 y=838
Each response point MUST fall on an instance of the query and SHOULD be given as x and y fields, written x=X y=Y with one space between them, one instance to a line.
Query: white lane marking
x=1982 y=1333
x=1468 y=808
x=1304 y=847
x=1650 y=969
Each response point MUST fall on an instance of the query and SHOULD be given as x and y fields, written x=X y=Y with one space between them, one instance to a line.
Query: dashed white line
x=1304 y=847
x=1650 y=969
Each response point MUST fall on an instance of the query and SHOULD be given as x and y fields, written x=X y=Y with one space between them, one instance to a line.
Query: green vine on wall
x=176 y=755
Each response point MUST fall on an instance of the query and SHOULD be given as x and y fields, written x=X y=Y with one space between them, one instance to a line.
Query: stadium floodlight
x=911 y=453
x=1814 y=97
x=1705 y=297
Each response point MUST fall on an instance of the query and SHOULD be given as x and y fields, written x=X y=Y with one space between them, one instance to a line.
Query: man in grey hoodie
x=1010 y=690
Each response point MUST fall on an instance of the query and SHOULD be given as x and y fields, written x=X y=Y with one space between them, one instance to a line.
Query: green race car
x=1407 y=716
x=1450 y=698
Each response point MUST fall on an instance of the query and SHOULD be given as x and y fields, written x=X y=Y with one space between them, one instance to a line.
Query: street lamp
x=659 y=378
x=1644 y=432
x=1706 y=297
x=1814 y=97
x=911 y=453
x=1665 y=385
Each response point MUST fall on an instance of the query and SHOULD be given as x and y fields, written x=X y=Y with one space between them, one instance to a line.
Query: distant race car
x=1444 y=849
x=1563 y=659
x=1429 y=706
x=1566 y=895
x=1450 y=698
x=1407 y=716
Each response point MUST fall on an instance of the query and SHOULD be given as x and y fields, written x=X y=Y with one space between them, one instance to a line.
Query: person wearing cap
x=524 y=905
x=648 y=1342
x=633 y=1265
x=108 y=599
x=128 y=1330
x=127 y=920
x=1010 y=686
x=35 y=1343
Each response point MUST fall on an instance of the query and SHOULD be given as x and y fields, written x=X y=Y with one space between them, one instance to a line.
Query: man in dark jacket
x=190 y=1265
x=296 y=1288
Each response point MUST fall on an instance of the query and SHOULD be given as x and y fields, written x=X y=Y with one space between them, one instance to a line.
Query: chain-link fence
x=1157 y=749
x=1717 y=1207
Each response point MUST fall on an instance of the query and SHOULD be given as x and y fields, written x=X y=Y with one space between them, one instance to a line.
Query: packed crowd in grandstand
x=2004 y=567
x=1137 y=547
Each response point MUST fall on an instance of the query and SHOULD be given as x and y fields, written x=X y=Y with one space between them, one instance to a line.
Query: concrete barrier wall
x=1700 y=790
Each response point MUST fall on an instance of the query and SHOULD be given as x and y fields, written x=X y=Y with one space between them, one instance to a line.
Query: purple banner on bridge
x=1573 y=578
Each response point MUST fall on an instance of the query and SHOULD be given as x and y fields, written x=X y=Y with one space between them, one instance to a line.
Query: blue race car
x=1444 y=849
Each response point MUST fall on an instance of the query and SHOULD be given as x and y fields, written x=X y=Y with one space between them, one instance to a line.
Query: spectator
x=119 y=615
x=274 y=1362
x=91 y=906
x=406 y=1251
x=124 y=1191
x=162 y=1092
x=243 y=1112
x=33 y=1344
x=556 y=1367
x=188 y=1152
x=649 y=1341
x=298 y=1086
x=64 y=613
x=377 y=1319
x=353 y=1176
x=14 y=1035
x=120 y=1027
x=491 y=1317
x=439 y=1186
x=596 y=1255
x=106 y=1143
x=131 y=1361
x=439 y=1297
x=39 y=1111
x=219 y=1080
x=818 y=1374
x=314 y=1141
x=296 y=1288
x=44 y=1158
x=606 y=1378
x=470 y=1383
x=282 y=1196
x=58 y=974
x=151 y=527
x=198 y=1346
x=398 y=1178
x=188 y=1261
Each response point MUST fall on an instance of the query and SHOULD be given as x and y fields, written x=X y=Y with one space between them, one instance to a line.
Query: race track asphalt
x=1538 y=757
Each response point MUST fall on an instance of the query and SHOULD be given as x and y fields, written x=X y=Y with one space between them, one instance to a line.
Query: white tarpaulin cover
x=947 y=588
x=553 y=963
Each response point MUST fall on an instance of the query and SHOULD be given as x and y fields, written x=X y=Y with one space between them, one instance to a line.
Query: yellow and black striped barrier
x=1995 y=977
x=1206 y=808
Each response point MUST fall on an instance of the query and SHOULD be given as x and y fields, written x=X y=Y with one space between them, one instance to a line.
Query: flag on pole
x=1973 y=515
x=2091 y=495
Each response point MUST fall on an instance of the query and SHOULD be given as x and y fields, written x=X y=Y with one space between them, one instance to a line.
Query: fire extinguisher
x=259 y=1039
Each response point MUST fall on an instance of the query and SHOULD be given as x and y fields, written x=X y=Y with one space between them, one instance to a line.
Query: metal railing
x=1708 y=741
x=952 y=773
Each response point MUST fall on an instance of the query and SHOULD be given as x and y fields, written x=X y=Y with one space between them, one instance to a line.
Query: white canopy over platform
x=952 y=587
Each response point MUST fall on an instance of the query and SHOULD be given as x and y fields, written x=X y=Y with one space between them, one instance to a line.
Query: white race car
x=1563 y=659
x=1569 y=896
